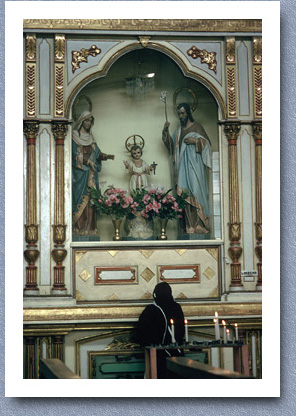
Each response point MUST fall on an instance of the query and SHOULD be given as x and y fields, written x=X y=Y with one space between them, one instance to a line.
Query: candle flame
x=185 y=321
x=235 y=325
x=172 y=321
x=223 y=322
x=214 y=320
x=216 y=314
x=227 y=330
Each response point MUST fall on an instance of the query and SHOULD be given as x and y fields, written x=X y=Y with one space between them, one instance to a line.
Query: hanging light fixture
x=139 y=84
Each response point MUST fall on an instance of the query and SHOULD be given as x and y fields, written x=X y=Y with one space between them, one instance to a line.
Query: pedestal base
x=31 y=292
x=238 y=288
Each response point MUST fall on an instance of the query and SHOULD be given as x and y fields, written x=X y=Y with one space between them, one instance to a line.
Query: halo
x=186 y=96
x=134 y=139
x=81 y=104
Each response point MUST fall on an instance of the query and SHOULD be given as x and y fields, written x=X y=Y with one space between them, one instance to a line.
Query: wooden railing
x=54 y=368
x=186 y=368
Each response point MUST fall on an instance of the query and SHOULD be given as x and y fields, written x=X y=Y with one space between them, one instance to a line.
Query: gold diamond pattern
x=213 y=252
x=181 y=251
x=147 y=253
x=114 y=297
x=147 y=274
x=147 y=295
x=209 y=273
x=181 y=296
x=85 y=275
x=113 y=252
x=79 y=296
x=79 y=255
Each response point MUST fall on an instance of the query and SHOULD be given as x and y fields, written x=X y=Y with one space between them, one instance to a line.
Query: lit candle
x=217 y=329
x=236 y=332
x=186 y=330
x=228 y=334
x=173 y=331
x=224 y=330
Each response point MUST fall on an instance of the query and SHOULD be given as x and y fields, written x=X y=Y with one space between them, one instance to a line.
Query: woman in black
x=154 y=327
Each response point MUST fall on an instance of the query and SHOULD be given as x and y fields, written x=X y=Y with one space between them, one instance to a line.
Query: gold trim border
x=172 y=25
x=124 y=312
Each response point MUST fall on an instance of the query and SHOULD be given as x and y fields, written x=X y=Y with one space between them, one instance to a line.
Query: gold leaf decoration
x=147 y=295
x=214 y=252
x=181 y=296
x=181 y=251
x=59 y=90
x=79 y=296
x=231 y=91
x=31 y=90
x=209 y=273
x=113 y=252
x=85 y=275
x=147 y=253
x=147 y=274
x=82 y=56
x=114 y=297
x=206 y=57
x=79 y=255
x=258 y=90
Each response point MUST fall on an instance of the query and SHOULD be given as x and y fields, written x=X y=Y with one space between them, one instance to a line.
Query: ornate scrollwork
x=257 y=50
x=234 y=231
x=144 y=40
x=124 y=344
x=59 y=90
x=31 y=48
x=230 y=50
x=206 y=57
x=59 y=129
x=232 y=131
x=31 y=235
x=59 y=48
x=257 y=74
x=59 y=233
x=82 y=56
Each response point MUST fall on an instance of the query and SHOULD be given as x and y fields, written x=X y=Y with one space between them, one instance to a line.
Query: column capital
x=31 y=128
x=257 y=131
x=59 y=129
x=231 y=130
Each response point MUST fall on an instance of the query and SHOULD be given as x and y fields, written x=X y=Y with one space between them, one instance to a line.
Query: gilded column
x=30 y=75
x=59 y=129
x=231 y=78
x=58 y=347
x=31 y=253
x=232 y=130
x=257 y=77
x=257 y=134
x=59 y=75
x=30 y=365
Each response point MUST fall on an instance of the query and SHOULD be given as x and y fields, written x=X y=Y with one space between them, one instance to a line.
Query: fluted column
x=59 y=129
x=58 y=347
x=31 y=253
x=232 y=130
x=30 y=365
x=257 y=134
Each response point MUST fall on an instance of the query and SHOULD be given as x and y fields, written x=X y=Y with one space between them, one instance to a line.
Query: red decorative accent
x=99 y=270
x=193 y=267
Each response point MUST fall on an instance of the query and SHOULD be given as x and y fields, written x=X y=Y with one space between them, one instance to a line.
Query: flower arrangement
x=158 y=203
x=114 y=201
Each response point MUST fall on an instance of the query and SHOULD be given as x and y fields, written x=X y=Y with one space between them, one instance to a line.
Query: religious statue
x=138 y=169
x=86 y=163
x=190 y=151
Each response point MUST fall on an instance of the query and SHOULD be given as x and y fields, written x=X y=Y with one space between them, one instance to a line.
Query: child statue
x=138 y=169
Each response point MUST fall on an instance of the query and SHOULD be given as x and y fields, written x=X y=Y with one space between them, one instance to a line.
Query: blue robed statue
x=86 y=163
x=190 y=150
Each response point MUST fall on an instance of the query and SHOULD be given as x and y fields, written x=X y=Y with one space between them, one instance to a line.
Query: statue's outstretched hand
x=112 y=157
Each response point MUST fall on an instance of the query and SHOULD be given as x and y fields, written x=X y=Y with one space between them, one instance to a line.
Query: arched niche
x=119 y=115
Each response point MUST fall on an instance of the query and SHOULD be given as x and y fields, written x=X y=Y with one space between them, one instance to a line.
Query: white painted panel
x=247 y=197
x=44 y=75
x=116 y=275
x=178 y=274
x=244 y=99
x=45 y=217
